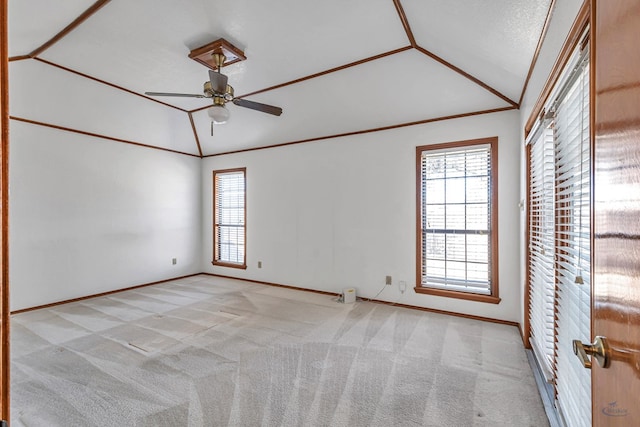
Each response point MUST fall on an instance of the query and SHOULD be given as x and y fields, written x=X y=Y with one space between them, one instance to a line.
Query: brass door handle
x=599 y=350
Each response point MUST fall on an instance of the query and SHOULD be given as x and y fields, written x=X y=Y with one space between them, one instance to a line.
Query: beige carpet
x=205 y=351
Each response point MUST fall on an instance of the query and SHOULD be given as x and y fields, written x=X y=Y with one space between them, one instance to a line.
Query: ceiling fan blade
x=218 y=82
x=184 y=95
x=269 y=109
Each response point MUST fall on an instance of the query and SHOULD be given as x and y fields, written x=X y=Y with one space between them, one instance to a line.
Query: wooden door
x=4 y=217
x=616 y=247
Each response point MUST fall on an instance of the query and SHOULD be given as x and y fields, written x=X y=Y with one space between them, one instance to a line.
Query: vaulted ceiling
x=334 y=66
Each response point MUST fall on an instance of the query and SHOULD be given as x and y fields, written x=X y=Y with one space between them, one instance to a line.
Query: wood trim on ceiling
x=72 y=26
x=468 y=76
x=402 y=15
x=534 y=60
x=373 y=58
x=19 y=58
x=95 y=79
x=405 y=22
x=96 y=135
x=195 y=134
x=412 y=307
x=360 y=132
x=578 y=27
x=5 y=353
x=321 y=73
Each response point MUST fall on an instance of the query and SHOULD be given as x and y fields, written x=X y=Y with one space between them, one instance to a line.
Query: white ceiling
x=143 y=46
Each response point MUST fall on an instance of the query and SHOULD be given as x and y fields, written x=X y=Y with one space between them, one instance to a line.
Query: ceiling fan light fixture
x=219 y=114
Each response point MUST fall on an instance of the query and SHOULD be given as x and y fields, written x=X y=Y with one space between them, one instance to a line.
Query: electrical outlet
x=259 y=264
x=174 y=261
x=388 y=280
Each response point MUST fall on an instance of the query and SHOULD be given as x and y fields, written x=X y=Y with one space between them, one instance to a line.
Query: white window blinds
x=456 y=218
x=229 y=217
x=541 y=249
x=573 y=254
x=559 y=241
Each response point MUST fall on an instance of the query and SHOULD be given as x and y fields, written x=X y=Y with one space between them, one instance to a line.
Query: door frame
x=4 y=214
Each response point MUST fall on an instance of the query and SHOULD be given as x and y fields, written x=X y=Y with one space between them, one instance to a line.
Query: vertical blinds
x=456 y=214
x=229 y=228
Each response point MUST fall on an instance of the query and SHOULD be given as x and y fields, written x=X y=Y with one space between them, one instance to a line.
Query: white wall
x=89 y=215
x=563 y=16
x=342 y=212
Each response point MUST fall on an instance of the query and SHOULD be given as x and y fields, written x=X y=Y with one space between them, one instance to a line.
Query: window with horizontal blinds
x=573 y=244
x=229 y=229
x=559 y=240
x=456 y=223
x=541 y=249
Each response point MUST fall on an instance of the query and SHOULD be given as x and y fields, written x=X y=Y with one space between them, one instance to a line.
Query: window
x=541 y=248
x=559 y=233
x=229 y=225
x=457 y=220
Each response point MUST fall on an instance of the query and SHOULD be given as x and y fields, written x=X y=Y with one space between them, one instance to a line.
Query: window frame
x=216 y=261
x=493 y=296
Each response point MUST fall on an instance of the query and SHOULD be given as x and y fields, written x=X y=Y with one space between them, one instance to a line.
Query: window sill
x=457 y=294
x=229 y=264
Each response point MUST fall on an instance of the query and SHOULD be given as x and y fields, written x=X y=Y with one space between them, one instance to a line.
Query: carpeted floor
x=205 y=351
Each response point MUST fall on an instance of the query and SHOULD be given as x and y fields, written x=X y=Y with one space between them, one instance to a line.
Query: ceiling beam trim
x=19 y=58
x=405 y=23
x=72 y=26
x=360 y=132
x=195 y=134
x=95 y=79
x=468 y=76
x=97 y=135
x=321 y=73
x=543 y=35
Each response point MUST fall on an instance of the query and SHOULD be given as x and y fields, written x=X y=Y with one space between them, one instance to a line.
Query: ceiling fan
x=220 y=92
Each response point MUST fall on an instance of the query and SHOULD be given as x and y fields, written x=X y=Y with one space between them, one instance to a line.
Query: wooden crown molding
x=72 y=26
x=379 y=56
x=234 y=54
x=361 y=132
x=468 y=76
x=412 y=40
x=97 y=135
x=534 y=60
x=321 y=73
x=95 y=79
x=195 y=133
x=405 y=23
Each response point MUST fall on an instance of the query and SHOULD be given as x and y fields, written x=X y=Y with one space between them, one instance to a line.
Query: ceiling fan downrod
x=218 y=60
